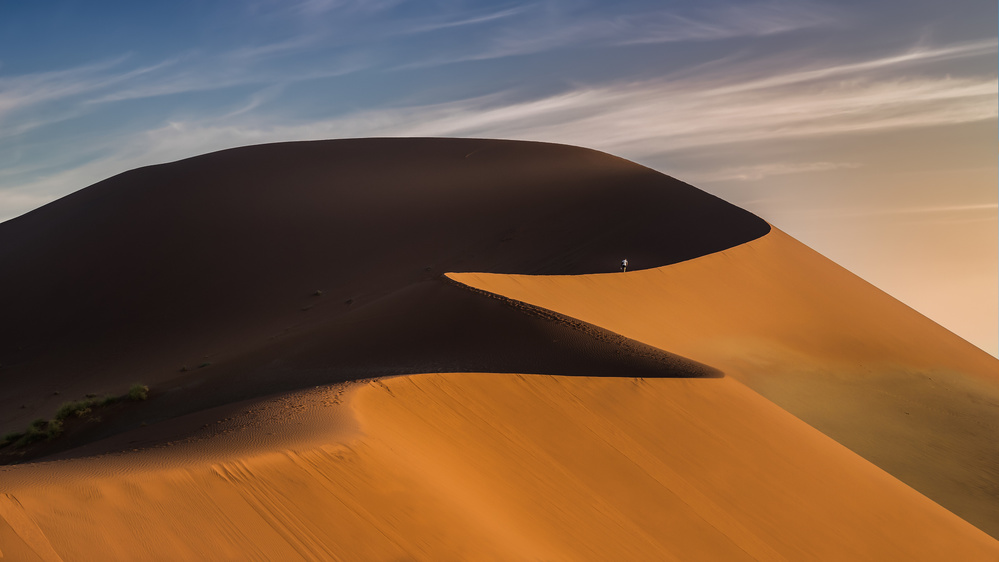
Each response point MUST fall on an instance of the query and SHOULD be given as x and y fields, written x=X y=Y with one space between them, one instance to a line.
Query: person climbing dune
x=624 y=265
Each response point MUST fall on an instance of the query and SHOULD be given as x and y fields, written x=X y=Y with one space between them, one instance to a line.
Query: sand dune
x=216 y=261
x=428 y=327
x=505 y=467
x=320 y=391
x=830 y=348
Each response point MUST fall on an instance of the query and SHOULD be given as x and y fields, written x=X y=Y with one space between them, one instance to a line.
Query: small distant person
x=624 y=265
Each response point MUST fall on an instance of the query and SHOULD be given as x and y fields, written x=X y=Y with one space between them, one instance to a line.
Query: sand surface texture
x=506 y=467
x=822 y=343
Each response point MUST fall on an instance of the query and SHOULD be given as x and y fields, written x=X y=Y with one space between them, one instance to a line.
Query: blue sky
x=865 y=129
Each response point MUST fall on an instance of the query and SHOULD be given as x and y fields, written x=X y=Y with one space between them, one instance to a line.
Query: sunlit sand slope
x=508 y=467
x=830 y=348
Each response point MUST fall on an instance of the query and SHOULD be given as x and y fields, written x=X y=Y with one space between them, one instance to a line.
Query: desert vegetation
x=138 y=391
x=48 y=429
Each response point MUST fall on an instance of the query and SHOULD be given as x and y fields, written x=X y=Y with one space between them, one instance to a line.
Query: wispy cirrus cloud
x=983 y=209
x=724 y=105
x=926 y=215
x=114 y=80
x=761 y=171
x=640 y=118
x=247 y=65
x=315 y=8
x=463 y=20
x=31 y=101
x=254 y=53
x=751 y=19
x=540 y=27
x=526 y=28
x=26 y=90
x=907 y=59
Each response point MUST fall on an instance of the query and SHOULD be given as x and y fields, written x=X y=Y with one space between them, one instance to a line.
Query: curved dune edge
x=224 y=258
x=843 y=356
x=487 y=466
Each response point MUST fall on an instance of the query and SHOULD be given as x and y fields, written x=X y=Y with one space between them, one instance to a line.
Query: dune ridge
x=833 y=350
x=432 y=326
x=234 y=275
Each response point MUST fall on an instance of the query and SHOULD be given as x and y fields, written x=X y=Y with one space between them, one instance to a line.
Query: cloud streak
x=513 y=30
x=892 y=63
x=761 y=171
x=27 y=90
x=724 y=104
x=472 y=19
x=656 y=116
x=931 y=210
x=542 y=27
x=723 y=22
x=230 y=69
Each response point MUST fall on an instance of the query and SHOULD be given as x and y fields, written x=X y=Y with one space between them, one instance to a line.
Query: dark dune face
x=209 y=258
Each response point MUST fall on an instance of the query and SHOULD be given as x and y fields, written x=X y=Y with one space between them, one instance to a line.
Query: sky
x=865 y=129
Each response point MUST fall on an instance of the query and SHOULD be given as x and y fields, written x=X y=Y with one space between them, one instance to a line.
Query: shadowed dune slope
x=214 y=261
x=843 y=356
x=433 y=326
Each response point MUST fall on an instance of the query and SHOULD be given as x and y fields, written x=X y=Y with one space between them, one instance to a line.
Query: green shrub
x=79 y=408
x=35 y=433
x=67 y=409
x=54 y=429
x=42 y=428
x=10 y=438
x=138 y=391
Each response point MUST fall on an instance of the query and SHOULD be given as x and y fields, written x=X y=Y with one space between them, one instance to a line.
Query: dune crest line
x=818 y=341
x=673 y=364
x=259 y=270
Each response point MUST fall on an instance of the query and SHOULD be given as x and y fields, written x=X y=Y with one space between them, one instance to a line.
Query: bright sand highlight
x=819 y=341
x=504 y=467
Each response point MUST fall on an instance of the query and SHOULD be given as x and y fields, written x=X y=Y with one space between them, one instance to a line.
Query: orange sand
x=505 y=467
x=518 y=467
x=820 y=342
x=233 y=263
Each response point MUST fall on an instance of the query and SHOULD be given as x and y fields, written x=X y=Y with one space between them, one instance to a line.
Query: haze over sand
x=853 y=362
x=567 y=414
